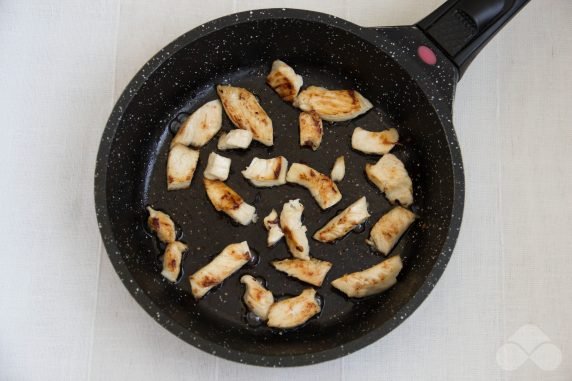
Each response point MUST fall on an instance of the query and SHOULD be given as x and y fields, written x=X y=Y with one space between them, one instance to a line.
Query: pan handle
x=461 y=28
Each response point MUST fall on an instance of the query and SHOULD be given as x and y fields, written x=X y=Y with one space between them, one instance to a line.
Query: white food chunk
x=284 y=80
x=232 y=258
x=294 y=231
x=391 y=177
x=374 y=142
x=292 y=312
x=322 y=188
x=339 y=169
x=245 y=112
x=371 y=281
x=181 y=166
x=200 y=127
x=332 y=105
x=256 y=297
x=344 y=222
x=226 y=200
x=218 y=167
x=267 y=172
x=311 y=271
x=172 y=260
x=235 y=139
x=162 y=225
x=272 y=224
x=311 y=129
x=389 y=228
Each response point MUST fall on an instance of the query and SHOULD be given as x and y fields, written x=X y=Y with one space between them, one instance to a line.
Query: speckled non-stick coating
x=326 y=52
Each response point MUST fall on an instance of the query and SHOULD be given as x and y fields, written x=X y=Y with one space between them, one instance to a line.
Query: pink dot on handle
x=427 y=55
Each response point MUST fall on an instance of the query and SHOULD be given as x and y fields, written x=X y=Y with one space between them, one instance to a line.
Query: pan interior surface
x=241 y=55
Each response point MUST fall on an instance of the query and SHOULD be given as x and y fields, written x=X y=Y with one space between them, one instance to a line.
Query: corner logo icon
x=529 y=342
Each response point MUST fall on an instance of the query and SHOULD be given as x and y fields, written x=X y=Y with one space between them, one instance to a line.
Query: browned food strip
x=322 y=188
x=311 y=271
x=256 y=297
x=332 y=105
x=232 y=258
x=389 y=228
x=311 y=129
x=292 y=312
x=371 y=281
x=226 y=200
x=284 y=80
x=245 y=112
x=391 y=177
x=344 y=222
x=172 y=260
x=162 y=225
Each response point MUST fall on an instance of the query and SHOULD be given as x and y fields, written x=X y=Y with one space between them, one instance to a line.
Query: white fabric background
x=64 y=314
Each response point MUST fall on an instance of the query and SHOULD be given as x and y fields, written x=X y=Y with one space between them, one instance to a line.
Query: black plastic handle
x=461 y=28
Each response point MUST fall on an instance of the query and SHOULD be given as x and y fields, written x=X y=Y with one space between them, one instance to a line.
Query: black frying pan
x=409 y=73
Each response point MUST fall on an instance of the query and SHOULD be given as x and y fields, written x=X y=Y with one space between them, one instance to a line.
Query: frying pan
x=409 y=74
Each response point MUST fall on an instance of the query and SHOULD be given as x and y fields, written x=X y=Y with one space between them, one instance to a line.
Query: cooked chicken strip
x=377 y=143
x=391 y=177
x=256 y=297
x=172 y=260
x=284 y=80
x=344 y=222
x=292 y=312
x=226 y=200
x=201 y=126
x=245 y=112
x=272 y=224
x=339 y=169
x=322 y=188
x=267 y=172
x=235 y=139
x=181 y=166
x=332 y=105
x=294 y=231
x=218 y=167
x=232 y=258
x=389 y=228
x=162 y=225
x=311 y=271
x=311 y=129
x=371 y=281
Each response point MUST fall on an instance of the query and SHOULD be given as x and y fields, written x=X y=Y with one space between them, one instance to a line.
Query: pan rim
x=112 y=249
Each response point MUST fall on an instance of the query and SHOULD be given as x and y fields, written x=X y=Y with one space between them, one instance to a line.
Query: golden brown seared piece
x=292 y=312
x=272 y=224
x=226 y=200
x=199 y=128
x=162 y=225
x=391 y=177
x=332 y=105
x=344 y=222
x=172 y=260
x=374 y=142
x=322 y=188
x=284 y=80
x=311 y=271
x=245 y=112
x=294 y=231
x=267 y=172
x=256 y=297
x=181 y=166
x=311 y=129
x=232 y=258
x=339 y=169
x=371 y=281
x=389 y=228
